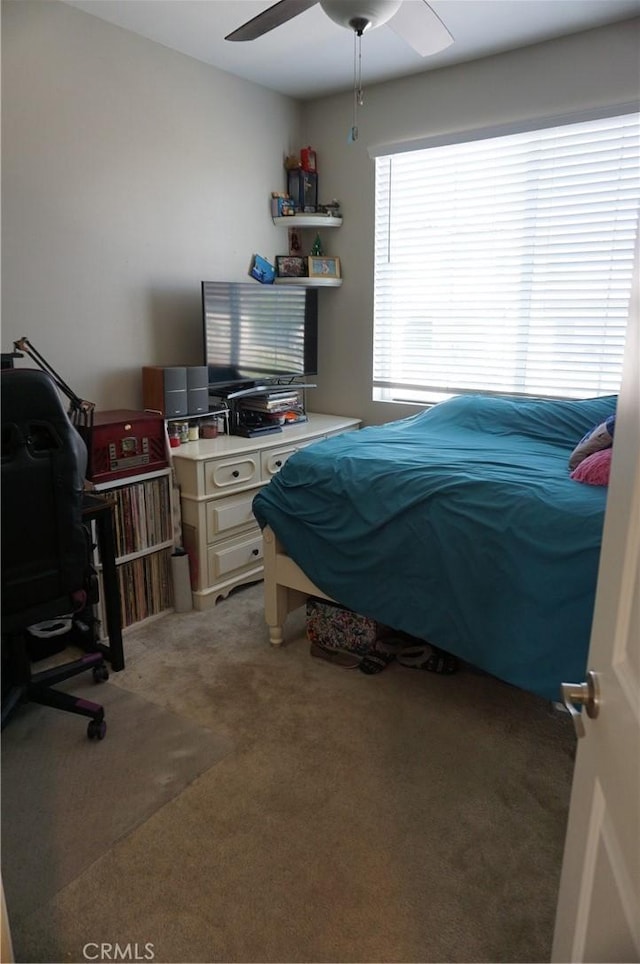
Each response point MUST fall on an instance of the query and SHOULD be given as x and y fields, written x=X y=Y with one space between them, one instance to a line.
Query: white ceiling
x=311 y=56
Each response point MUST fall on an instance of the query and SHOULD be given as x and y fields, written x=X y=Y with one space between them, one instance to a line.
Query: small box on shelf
x=302 y=187
x=282 y=206
x=308 y=160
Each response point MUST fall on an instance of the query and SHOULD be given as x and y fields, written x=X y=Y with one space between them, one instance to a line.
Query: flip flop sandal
x=377 y=660
x=346 y=660
x=429 y=658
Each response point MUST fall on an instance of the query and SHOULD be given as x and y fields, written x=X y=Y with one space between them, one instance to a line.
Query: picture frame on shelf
x=290 y=266
x=321 y=266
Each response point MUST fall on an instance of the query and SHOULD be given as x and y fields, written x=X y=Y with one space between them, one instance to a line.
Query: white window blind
x=504 y=264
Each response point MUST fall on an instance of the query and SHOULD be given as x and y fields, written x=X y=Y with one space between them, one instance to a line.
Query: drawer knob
x=235 y=473
x=255 y=552
x=279 y=463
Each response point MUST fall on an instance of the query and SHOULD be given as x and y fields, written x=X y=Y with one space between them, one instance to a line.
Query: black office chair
x=47 y=572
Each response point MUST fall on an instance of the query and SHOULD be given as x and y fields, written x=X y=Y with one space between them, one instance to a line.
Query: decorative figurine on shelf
x=332 y=208
x=295 y=242
x=316 y=247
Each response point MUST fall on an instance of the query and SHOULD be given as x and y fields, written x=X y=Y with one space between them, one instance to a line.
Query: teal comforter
x=459 y=525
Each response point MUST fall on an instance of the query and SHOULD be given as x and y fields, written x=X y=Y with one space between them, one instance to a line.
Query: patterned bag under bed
x=339 y=630
x=350 y=640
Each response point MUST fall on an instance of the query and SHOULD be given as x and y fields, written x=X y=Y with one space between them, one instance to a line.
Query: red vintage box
x=122 y=443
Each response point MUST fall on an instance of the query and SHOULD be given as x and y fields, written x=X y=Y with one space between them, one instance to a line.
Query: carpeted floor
x=66 y=799
x=400 y=817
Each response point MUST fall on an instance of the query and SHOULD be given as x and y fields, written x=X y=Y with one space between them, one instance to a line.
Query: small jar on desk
x=182 y=429
x=209 y=428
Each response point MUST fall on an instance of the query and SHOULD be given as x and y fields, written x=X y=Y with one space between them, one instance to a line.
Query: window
x=504 y=264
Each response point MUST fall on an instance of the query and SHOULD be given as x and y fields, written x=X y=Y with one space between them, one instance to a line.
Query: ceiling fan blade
x=421 y=27
x=272 y=17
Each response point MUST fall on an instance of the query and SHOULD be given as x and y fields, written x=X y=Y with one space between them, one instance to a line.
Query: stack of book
x=279 y=407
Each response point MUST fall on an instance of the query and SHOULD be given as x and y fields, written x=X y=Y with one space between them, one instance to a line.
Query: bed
x=459 y=525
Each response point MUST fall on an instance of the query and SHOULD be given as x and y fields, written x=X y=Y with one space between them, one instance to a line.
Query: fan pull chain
x=358 y=98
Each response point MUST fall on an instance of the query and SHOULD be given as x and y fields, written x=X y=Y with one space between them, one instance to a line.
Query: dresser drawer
x=225 y=516
x=274 y=459
x=272 y=462
x=234 y=556
x=225 y=474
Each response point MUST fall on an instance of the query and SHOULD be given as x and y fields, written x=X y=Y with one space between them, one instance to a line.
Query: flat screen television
x=258 y=334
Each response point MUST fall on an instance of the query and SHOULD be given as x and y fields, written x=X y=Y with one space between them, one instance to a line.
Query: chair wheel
x=100 y=674
x=97 y=730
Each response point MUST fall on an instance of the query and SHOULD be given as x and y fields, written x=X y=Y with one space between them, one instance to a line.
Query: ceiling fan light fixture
x=360 y=15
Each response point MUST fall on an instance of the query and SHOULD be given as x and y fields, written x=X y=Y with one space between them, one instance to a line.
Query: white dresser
x=218 y=479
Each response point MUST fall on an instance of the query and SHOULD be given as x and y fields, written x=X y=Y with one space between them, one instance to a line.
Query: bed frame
x=285 y=586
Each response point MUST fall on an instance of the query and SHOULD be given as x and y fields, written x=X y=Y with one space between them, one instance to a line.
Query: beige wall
x=595 y=68
x=130 y=173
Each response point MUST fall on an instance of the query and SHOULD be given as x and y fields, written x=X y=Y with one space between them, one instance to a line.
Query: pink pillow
x=599 y=437
x=594 y=470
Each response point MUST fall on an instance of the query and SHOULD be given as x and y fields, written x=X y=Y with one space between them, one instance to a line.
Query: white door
x=598 y=915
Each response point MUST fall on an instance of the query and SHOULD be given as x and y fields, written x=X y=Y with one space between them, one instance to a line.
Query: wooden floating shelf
x=308 y=221
x=310 y=282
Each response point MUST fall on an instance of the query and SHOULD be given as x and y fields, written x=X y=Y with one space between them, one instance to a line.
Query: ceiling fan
x=413 y=20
